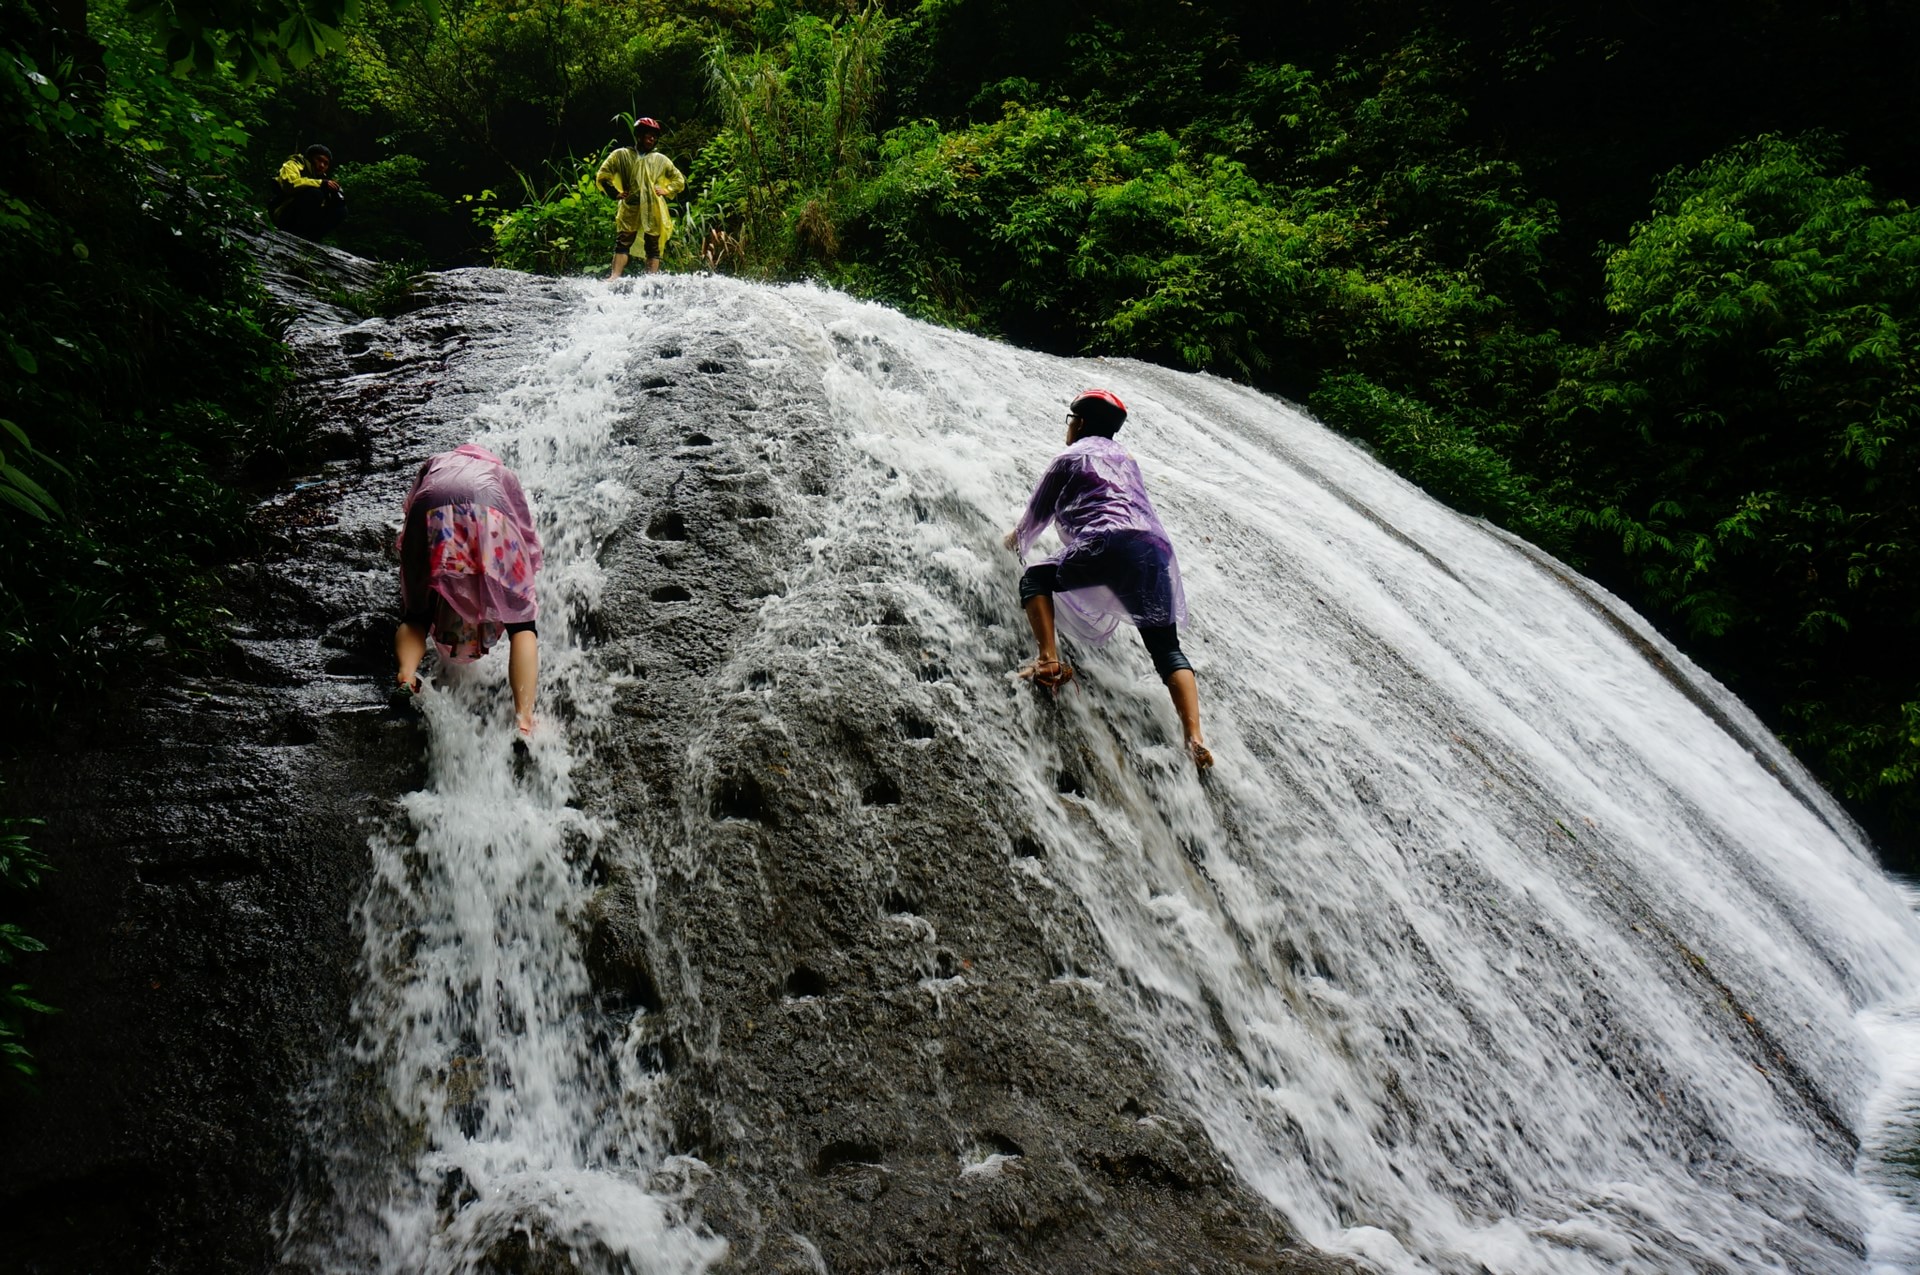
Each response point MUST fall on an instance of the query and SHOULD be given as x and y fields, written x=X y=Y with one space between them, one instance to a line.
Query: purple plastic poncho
x=469 y=552
x=1117 y=563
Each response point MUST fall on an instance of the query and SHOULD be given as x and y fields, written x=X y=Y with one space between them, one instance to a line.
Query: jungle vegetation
x=1638 y=282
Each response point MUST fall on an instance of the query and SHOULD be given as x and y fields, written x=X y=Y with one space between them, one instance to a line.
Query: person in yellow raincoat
x=306 y=200
x=641 y=179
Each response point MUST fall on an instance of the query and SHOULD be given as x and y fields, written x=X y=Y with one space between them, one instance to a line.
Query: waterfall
x=1501 y=937
x=498 y=1114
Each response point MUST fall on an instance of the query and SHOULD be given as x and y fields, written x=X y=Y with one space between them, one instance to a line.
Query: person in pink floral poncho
x=469 y=556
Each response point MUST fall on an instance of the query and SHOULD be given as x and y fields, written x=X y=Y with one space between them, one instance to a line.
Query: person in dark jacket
x=306 y=200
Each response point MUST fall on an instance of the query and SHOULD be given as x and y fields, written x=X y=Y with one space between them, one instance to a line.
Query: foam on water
x=1890 y=1143
x=1502 y=937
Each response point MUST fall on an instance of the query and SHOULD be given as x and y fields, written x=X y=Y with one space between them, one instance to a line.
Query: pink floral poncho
x=1117 y=563
x=469 y=552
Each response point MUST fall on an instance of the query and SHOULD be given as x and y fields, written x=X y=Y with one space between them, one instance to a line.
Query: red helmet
x=1101 y=408
x=646 y=122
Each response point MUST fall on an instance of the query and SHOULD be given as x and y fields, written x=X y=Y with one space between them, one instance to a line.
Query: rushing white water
x=1501 y=938
x=494 y=1122
x=1514 y=942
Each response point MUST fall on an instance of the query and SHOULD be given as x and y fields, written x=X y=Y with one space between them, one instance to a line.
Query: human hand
x=1012 y=539
x=661 y=190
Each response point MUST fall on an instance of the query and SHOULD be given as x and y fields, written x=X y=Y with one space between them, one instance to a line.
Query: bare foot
x=1202 y=758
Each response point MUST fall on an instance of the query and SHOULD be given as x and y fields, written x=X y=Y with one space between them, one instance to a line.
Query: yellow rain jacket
x=628 y=171
x=293 y=175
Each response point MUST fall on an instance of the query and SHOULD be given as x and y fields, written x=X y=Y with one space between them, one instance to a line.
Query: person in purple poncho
x=469 y=556
x=1116 y=564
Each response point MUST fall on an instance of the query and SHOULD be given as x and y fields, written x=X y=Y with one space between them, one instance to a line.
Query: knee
x=1163 y=644
x=1167 y=663
x=1037 y=582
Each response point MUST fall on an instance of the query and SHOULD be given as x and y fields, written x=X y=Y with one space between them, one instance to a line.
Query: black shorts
x=1161 y=640
x=424 y=620
x=623 y=244
x=1132 y=566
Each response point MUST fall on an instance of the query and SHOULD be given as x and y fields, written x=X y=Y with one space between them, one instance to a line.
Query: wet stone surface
x=850 y=976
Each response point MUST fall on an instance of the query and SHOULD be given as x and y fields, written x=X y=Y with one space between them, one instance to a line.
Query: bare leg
x=619 y=265
x=1047 y=670
x=409 y=648
x=523 y=671
x=653 y=265
x=1040 y=620
x=1186 y=704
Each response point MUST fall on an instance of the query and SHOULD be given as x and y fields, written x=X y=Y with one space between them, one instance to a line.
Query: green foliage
x=21 y=867
x=395 y=210
x=16 y=487
x=1068 y=233
x=251 y=37
x=141 y=357
x=1444 y=452
x=796 y=134
x=1864 y=741
x=1718 y=423
x=1752 y=435
x=427 y=106
x=1387 y=211
x=566 y=230
x=519 y=82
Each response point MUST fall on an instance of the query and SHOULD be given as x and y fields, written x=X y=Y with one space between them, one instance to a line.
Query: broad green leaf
x=26 y=484
x=19 y=501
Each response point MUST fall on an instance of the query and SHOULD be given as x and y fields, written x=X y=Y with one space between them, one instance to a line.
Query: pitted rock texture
x=833 y=929
x=848 y=963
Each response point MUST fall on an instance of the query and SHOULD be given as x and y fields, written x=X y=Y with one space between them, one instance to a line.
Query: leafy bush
x=568 y=230
x=796 y=136
x=1751 y=435
x=1351 y=208
x=1443 y=453
x=142 y=354
x=21 y=866
x=394 y=212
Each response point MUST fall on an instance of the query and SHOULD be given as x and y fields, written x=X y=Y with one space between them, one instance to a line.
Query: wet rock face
x=211 y=835
x=849 y=964
x=833 y=933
